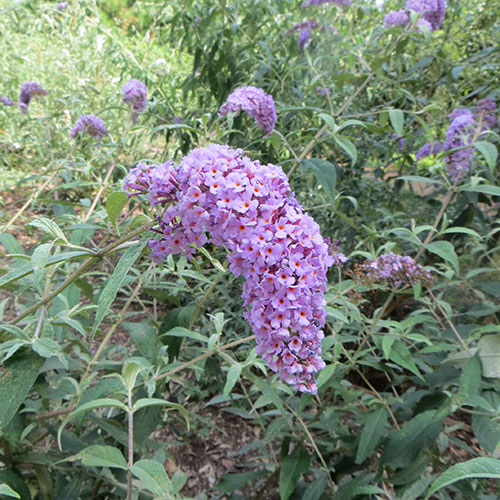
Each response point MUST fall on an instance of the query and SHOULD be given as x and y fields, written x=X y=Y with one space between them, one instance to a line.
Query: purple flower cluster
x=322 y=90
x=304 y=36
x=485 y=113
x=91 y=125
x=217 y=195
x=432 y=11
x=28 y=91
x=62 y=5
x=395 y=270
x=5 y=100
x=431 y=148
x=135 y=94
x=256 y=103
x=321 y=2
x=459 y=135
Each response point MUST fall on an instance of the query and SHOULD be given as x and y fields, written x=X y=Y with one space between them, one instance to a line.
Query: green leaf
x=269 y=392
x=475 y=468
x=402 y=356
x=371 y=434
x=102 y=456
x=144 y=337
x=445 y=250
x=489 y=353
x=315 y=490
x=91 y=405
x=483 y=188
x=145 y=402
x=8 y=491
x=397 y=120
x=153 y=476
x=49 y=227
x=114 y=206
x=18 y=375
x=489 y=151
x=233 y=375
x=470 y=378
x=232 y=482
x=387 y=342
x=292 y=467
x=348 y=147
x=180 y=331
x=115 y=282
x=325 y=173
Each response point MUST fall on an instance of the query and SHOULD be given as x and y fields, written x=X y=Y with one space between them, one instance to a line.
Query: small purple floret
x=5 y=100
x=431 y=148
x=62 y=5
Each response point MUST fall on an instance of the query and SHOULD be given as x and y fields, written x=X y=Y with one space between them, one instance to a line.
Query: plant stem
x=130 y=444
x=74 y=276
x=203 y=356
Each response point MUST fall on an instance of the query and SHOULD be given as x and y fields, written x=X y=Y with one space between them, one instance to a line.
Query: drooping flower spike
x=218 y=195
x=135 y=94
x=90 y=125
x=256 y=103
x=28 y=91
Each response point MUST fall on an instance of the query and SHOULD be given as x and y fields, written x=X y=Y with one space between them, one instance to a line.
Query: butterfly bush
x=458 y=143
x=90 y=125
x=217 y=195
x=322 y=90
x=256 y=103
x=395 y=270
x=28 y=91
x=307 y=3
x=432 y=11
x=135 y=94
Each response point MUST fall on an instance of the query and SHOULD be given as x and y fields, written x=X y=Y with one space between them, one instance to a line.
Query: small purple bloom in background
x=304 y=36
x=432 y=11
x=431 y=148
x=322 y=90
x=28 y=91
x=339 y=258
x=196 y=21
x=177 y=120
x=459 y=134
x=219 y=196
x=256 y=103
x=310 y=24
x=62 y=5
x=91 y=125
x=485 y=113
x=395 y=270
x=135 y=94
x=396 y=18
x=321 y=2
x=5 y=100
x=401 y=141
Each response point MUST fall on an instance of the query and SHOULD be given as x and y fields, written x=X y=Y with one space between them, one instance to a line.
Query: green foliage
x=98 y=345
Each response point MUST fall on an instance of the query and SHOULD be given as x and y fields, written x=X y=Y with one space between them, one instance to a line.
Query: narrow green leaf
x=470 y=378
x=18 y=375
x=115 y=282
x=269 y=392
x=475 y=468
x=102 y=456
x=445 y=250
x=153 y=476
x=325 y=173
x=348 y=147
x=315 y=490
x=233 y=375
x=371 y=434
x=8 y=491
x=232 y=482
x=91 y=405
x=483 y=188
x=397 y=120
x=180 y=331
x=402 y=356
x=489 y=151
x=145 y=402
x=114 y=206
x=489 y=353
x=292 y=467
